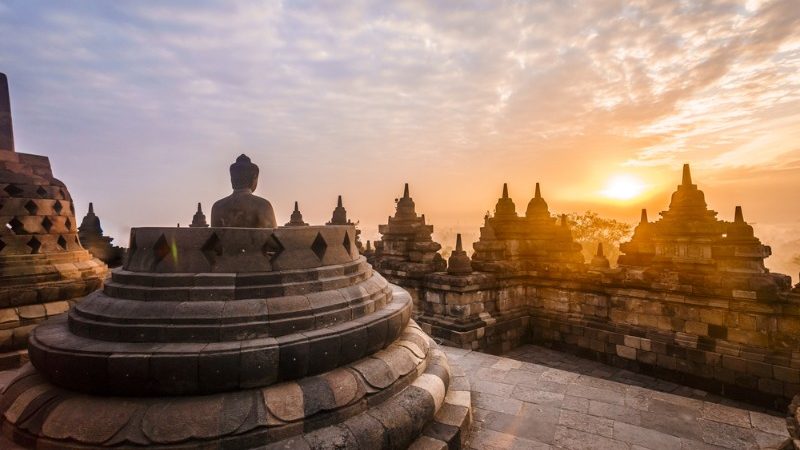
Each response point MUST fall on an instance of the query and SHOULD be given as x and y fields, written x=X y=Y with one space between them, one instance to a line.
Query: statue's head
x=244 y=174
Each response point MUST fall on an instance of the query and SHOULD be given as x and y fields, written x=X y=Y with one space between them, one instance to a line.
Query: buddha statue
x=242 y=209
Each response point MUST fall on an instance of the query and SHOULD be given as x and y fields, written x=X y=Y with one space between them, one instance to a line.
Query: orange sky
x=141 y=107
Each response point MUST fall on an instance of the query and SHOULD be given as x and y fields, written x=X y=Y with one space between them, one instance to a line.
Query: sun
x=623 y=187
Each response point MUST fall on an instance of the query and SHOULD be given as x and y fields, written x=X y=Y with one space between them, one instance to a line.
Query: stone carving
x=231 y=337
x=43 y=267
x=242 y=209
x=91 y=236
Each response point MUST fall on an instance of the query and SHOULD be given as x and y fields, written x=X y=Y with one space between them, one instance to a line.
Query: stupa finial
x=405 y=192
x=505 y=190
x=687 y=175
x=6 y=128
x=599 y=249
x=644 y=216
x=296 y=219
x=91 y=208
x=738 y=216
x=339 y=216
x=459 y=263
x=538 y=193
x=199 y=219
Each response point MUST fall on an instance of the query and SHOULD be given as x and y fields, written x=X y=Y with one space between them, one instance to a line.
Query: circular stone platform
x=237 y=338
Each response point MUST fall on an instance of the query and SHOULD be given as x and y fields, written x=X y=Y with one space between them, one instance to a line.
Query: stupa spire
x=296 y=219
x=643 y=219
x=91 y=207
x=505 y=190
x=459 y=262
x=599 y=260
x=339 y=216
x=538 y=193
x=687 y=175
x=199 y=219
x=738 y=216
x=6 y=128
x=405 y=192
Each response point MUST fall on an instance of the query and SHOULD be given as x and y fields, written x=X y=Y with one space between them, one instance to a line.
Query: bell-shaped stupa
x=238 y=337
x=43 y=267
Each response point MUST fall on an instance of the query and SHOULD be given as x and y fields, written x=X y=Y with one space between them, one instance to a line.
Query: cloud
x=358 y=97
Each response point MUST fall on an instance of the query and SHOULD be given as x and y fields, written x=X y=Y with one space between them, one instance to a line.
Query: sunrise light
x=623 y=187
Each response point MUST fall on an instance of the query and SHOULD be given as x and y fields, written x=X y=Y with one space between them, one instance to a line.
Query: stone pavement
x=536 y=398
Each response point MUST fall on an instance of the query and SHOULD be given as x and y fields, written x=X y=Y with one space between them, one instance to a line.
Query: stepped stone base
x=403 y=395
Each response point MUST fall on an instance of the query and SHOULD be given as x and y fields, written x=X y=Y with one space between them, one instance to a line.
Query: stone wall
x=740 y=343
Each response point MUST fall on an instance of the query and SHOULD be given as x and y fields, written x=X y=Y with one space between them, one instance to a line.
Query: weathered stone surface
x=41 y=258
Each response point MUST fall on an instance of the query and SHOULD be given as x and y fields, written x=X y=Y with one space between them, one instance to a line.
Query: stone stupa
x=91 y=235
x=43 y=267
x=238 y=337
x=510 y=244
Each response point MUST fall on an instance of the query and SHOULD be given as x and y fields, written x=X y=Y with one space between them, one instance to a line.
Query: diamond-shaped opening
x=62 y=242
x=212 y=249
x=2 y=245
x=16 y=226
x=47 y=224
x=272 y=248
x=68 y=224
x=12 y=190
x=41 y=191
x=346 y=243
x=57 y=207
x=161 y=249
x=319 y=246
x=32 y=207
x=34 y=244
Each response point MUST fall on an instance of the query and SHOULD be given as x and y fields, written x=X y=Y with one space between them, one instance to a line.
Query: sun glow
x=623 y=187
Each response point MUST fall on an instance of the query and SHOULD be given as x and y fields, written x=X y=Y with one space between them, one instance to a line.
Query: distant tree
x=589 y=229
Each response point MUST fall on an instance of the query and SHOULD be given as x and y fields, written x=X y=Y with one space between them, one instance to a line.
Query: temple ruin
x=691 y=300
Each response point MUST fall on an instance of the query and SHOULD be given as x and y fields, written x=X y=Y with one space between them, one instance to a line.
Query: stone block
x=626 y=352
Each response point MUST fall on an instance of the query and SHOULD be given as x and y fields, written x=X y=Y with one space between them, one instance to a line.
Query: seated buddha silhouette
x=242 y=209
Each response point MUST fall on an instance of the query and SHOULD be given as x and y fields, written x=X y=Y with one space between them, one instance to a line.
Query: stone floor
x=535 y=398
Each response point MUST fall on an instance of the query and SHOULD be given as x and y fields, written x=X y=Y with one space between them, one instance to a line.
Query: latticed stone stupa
x=238 y=337
x=43 y=267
